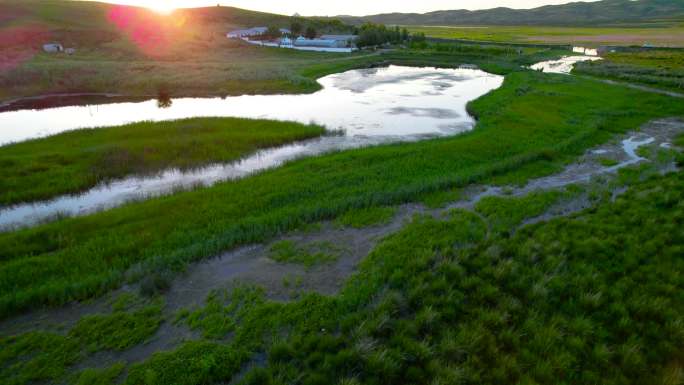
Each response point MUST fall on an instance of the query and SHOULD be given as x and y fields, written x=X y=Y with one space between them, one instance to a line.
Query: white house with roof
x=326 y=43
x=53 y=48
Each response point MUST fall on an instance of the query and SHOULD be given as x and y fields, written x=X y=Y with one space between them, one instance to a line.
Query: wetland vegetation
x=570 y=283
x=658 y=68
x=74 y=161
x=531 y=126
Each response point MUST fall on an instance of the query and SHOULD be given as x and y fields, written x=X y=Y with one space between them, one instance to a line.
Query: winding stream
x=368 y=107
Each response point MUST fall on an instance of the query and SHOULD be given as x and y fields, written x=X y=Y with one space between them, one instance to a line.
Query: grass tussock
x=585 y=299
x=366 y=217
x=309 y=255
x=46 y=356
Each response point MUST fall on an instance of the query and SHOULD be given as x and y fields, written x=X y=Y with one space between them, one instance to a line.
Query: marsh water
x=365 y=107
x=391 y=101
x=564 y=65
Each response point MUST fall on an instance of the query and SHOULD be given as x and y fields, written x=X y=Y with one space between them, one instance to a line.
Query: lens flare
x=161 y=7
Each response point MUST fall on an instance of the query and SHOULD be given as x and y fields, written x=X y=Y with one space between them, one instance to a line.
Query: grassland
x=137 y=52
x=658 y=68
x=529 y=127
x=473 y=297
x=443 y=303
x=668 y=35
x=74 y=161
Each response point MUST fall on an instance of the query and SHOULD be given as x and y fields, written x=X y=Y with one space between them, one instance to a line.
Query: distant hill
x=28 y=24
x=77 y=14
x=604 y=12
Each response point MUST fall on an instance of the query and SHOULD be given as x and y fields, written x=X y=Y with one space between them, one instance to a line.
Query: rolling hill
x=29 y=23
x=605 y=12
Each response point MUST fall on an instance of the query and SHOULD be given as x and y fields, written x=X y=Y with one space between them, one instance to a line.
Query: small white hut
x=53 y=48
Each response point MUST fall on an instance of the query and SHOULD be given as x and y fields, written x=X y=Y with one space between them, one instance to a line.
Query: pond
x=365 y=107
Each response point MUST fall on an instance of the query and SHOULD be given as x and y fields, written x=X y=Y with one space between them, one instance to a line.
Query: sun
x=163 y=7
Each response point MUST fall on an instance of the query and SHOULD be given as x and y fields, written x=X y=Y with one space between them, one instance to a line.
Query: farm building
x=348 y=40
x=321 y=42
x=53 y=48
x=252 y=32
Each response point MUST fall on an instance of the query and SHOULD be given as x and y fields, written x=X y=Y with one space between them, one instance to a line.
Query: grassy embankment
x=469 y=298
x=660 y=68
x=77 y=160
x=659 y=34
x=529 y=127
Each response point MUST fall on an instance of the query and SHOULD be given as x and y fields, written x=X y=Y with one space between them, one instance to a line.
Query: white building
x=329 y=41
x=347 y=40
x=240 y=33
x=252 y=32
x=53 y=48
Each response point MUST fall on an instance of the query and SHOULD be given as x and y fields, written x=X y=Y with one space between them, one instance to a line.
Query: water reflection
x=354 y=101
x=369 y=107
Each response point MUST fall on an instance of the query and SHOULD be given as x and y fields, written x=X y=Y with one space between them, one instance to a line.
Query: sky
x=347 y=7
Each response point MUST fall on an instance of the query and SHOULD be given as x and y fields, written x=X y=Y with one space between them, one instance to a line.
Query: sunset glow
x=163 y=7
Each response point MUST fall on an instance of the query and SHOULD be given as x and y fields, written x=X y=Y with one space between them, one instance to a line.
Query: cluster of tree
x=296 y=29
x=378 y=34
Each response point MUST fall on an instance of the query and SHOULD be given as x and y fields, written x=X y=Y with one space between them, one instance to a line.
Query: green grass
x=77 y=160
x=120 y=330
x=505 y=214
x=440 y=199
x=663 y=34
x=659 y=68
x=100 y=376
x=366 y=217
x=608 y=162
x=46 y=356
x=529 y=127
x=513 y=328
x=308 y=255
x=594 y=297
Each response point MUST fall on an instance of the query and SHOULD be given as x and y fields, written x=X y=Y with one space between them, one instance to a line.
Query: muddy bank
x=42 y=102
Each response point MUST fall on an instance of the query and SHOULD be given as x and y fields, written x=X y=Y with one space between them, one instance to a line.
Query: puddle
x=566 y=64
x=563 y=65
x=368 y=107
